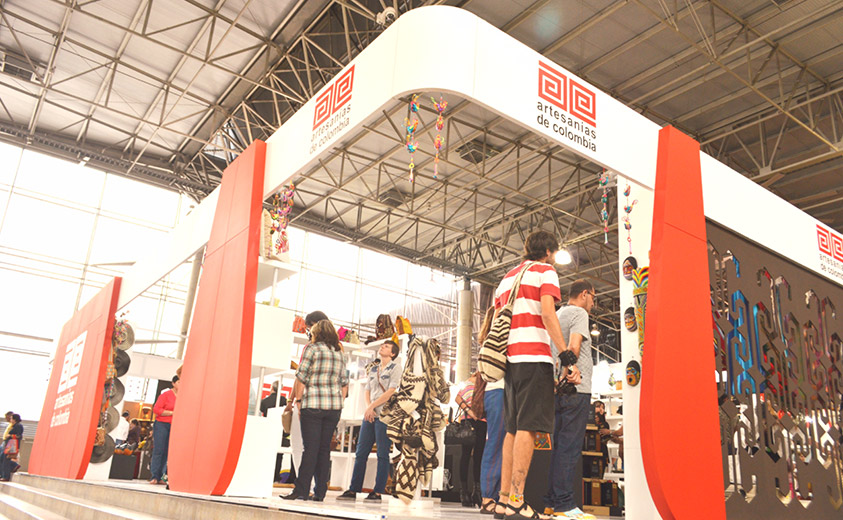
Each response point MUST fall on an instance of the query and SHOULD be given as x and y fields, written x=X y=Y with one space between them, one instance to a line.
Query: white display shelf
x=301 y=339
x=266 y=272
x=613 y=393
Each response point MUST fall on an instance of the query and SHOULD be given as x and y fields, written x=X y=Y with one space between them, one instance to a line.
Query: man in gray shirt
x=383 y=377
x=571 y=408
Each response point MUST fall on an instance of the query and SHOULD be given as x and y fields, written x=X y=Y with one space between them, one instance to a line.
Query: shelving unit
x=601 y=487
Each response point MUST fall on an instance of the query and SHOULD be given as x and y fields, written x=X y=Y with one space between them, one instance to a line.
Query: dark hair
x=175 y=379
x=538 y=243
x=16 y=417
x=595 y=403
x=135 y=421
x=578 y=287
x=395 y=348
x=10 y=412
x=324 y=332
x=126 y=413
x=487 y=324
x=314 y=317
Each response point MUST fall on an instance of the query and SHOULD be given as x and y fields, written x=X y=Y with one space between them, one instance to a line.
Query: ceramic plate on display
x=121 y=362
x=628 y=321
x=103 y=453
x=629 y=264
x=124 y=336
x=112 y=418
x=117 y=391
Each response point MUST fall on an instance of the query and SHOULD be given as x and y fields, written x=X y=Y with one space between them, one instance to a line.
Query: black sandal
x=519 y=516
x=488 y=508
x=499 y=516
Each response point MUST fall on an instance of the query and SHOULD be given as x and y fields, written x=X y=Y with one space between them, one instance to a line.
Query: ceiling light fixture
x=595 y=331
x=563 y=257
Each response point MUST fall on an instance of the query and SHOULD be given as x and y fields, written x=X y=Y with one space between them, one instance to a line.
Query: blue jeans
x=568 y=435
x=317 y=430
x=371 y=432
x=490 y=468
x=160 y=449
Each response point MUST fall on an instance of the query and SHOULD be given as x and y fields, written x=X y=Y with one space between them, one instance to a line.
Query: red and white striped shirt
x=529 y=341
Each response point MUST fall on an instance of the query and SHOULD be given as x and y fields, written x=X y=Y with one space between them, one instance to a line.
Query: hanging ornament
x=628 y=209
x=282 y=205
x=438 y=141
x=411 y=126
x=604 y=214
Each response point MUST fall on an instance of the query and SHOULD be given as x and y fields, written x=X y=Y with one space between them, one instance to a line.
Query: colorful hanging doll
x=627 y=224
x=438 y=141
x=409 y=141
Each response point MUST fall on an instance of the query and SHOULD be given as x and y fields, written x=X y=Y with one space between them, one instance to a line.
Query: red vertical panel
x=210 y=415
x=63 y=449
x=678 y=365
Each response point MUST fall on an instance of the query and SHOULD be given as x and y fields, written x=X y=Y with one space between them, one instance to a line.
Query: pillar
x=465 y=312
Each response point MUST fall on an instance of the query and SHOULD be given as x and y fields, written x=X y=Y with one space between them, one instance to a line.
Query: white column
x=466 y=303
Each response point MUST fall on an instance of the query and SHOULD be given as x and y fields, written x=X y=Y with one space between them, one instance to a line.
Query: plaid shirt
x=323 y=372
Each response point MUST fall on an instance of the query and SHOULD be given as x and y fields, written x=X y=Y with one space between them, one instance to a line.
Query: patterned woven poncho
x=413 y=416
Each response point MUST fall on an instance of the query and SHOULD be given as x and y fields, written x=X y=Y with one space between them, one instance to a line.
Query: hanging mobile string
x=628 y=209
x=438 y=141
x=604 y=214
x=411 y=126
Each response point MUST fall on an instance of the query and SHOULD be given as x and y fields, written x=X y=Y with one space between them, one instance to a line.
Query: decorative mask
x=633 y=373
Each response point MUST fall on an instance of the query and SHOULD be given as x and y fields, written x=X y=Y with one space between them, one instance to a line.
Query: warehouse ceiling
x=169 y=92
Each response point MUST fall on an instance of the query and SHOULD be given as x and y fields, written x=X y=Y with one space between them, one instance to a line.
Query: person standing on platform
x=11 y=439
x=470 y=496
x=571 y=407
x=163 y=409
x=528 y=383
x=267 y=403
x=122 y=429
x=296 y=444
x=323 y=374
x=490 y=466
x=133 y=437
x=383 y=377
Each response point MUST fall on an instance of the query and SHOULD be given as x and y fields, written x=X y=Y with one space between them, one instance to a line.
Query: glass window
x=331 y=255
x=140 y=201
x=119 y=241
x=61 y=179
x=46 y=228
x=9 y=158
x=332 y=295
x=35 y=305
x=383 y=269
x=375 y=301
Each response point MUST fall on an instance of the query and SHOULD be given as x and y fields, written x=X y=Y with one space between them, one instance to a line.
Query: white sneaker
x=577 y=514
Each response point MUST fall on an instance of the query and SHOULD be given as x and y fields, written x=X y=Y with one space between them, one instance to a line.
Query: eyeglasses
x=593 y=297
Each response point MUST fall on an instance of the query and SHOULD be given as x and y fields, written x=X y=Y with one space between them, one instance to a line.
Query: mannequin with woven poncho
x=413 y=417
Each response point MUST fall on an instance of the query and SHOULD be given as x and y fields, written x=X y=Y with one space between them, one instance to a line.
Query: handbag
x=12 y=447
x=459 y=433
x=491 y=361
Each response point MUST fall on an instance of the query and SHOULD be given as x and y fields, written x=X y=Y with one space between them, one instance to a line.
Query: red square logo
x=553 y=86
x=323 y=107
x=583 y=103
x=824 y=240
x=336 y=95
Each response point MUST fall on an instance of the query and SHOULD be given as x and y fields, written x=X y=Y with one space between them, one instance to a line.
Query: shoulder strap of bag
x=513 y=293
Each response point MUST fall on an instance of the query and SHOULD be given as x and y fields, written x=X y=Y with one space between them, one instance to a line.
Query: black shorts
x=528 y=403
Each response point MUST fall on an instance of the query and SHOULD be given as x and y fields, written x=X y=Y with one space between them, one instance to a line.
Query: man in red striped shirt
x=528 y=390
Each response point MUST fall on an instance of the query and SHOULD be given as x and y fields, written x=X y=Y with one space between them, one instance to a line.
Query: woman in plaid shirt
x=324 y=375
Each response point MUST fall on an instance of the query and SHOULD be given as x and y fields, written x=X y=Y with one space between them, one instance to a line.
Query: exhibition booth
x=709 y=247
